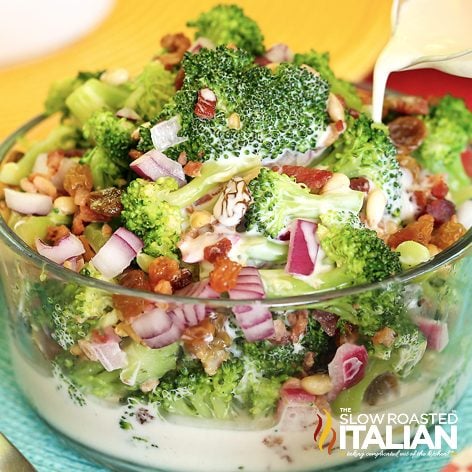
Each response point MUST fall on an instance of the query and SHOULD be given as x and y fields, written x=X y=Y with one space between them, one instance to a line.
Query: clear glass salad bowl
x=133 y=436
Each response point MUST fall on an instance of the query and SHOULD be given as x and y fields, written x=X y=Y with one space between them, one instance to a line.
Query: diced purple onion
x=302 y=249
x=156 y=328
x=165 y=134
x=28 y=203
x=255 y=320
x=108 y=353
x=328 y=321
x=155 y=164
x=66 y=248
x=117 y=253
x=128 y=113
x=436 y=333
x=347 y=367
x=279 y=53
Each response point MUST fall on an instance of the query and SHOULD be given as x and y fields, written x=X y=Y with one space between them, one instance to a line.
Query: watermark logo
x=323 y=431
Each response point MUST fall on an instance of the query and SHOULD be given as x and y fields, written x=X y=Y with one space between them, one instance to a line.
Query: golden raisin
x=224 y=275
x=164 y=287
x=106 y=202
x=419 y=231
x=162 y=268
x=217 y=250
x=128 y=306
x=447 y=234
x=78 y=178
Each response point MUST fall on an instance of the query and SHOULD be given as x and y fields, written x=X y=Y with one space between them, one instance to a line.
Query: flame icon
x=325 y=430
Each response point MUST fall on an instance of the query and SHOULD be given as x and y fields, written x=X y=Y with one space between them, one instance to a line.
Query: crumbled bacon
x=85 y=214
x=298 y=321
x=217 y=250
x=439 y=188
x=176 y=45
x=447 y=234
x=314 y=179
x=205 y=108
x=441 y=210
x=361 y=184
x=192 y=168
x=421 y=200
x=89 y=252
x=419 y=231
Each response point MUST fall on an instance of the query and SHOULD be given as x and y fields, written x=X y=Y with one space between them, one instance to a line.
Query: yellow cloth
x=353 y=31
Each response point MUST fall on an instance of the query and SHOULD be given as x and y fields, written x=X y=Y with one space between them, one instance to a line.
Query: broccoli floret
x=147 y=214
x=96 y=95
x=228 y=25
x=320 y=62
x=449 y=131
x=257 y=111
x=60 y=90
x=365 y=149
x=108 y=160
x=278 y=199
x=61 y=137
x=151 y=90
x=146 y=364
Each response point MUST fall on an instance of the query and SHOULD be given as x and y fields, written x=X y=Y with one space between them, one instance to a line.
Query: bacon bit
x=129 y=307
x=182 y=159
x=314 y=179
x=439 y=188
x=441 y=210
x=134 y=154
x=162 y=268
x=281 y=336
x=224 y=275
x=349 y=334
x=421 y=200
x=406 y=105
x=419 y=231
x=407 y=133
x=84 y=214
x=106 y=202
x=219 y=249
x=410 y=163
x=298 y=321
x=447 y=234
x=208 y=341
x=361 y=184
x=56 y=233
x=192 y=169
x=181 y=280
x=89 y=252
x=339 y=125
x=179 y=79
x=385 y=336
x=176 y=45
x=54 y=161
x=163 y=287
x=205 y=108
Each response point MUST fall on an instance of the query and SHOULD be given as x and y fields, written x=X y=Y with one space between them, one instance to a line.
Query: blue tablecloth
x=48 y=454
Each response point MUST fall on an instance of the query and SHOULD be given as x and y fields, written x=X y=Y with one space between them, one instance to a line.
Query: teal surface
x=43 y=448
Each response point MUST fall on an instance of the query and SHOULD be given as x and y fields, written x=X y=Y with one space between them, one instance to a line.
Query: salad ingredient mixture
x=226 y=170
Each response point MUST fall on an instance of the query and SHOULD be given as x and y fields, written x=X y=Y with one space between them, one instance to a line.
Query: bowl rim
x=18 y=246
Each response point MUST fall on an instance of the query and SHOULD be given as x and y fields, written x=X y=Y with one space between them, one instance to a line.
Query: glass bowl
x=133 y=435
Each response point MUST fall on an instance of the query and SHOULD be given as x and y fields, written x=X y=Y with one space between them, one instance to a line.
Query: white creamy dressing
x=424 y=32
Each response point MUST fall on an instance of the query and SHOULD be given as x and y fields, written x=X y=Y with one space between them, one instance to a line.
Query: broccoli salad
x=226 y=170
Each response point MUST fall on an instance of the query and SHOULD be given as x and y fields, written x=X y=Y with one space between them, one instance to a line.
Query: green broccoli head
x=365 y=149
x=227 y=24
x=257 y=111
x=60 y=90
x=151 y=90
x=320 y=62
x=147 y=214
x=449 y=131
x=278 y=199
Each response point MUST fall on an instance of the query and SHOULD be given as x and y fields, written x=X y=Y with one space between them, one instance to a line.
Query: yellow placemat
x=353 y=31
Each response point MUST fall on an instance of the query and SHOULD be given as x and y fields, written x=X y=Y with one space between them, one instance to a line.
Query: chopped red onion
x=106 y=351
x=155 y=164
x=28 y=203
x=347 y=367
x=151 y=323
x=165 y=134
x=117 y=253
x=66 y=248
x=436 y=333
x=302 y=249
x=164 y=339
x=128 y=113
x=41 y=164
x=279 y=53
